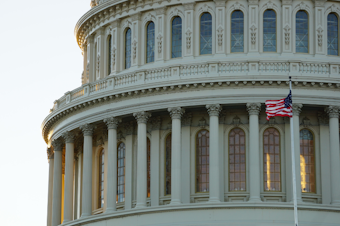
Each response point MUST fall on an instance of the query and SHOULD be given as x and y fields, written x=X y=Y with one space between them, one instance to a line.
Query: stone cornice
x=63 y=112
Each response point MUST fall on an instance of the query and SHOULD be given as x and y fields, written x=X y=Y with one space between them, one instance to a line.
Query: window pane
x=237 y=170
x=301 y=32
x=269 y=31
x=237 y=30
x=168 y=165
x=176 y=37
x=206 y=34
x=121 y=172
x=150 y=43
x=101 y=180
x=128 y=49
x=307 y=164
x=271 y=160
x=332 y=34
x=202 y=161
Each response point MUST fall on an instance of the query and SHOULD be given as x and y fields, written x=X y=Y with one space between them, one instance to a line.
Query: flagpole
x=293 y=161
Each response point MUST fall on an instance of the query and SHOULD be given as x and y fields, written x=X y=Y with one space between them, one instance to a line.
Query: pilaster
x=220 y=26
x=115 y=51
x=91 y=56
x=320 y=25
x=189 y=29
x=160 y=34
x=135 y=37
x=253 y=26
x=287 y=26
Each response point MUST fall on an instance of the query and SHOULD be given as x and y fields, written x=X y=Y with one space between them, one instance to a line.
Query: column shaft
x=214 y=169
x=154 y=167
x=56 y=205
x=141 y=166
x=176 y=162
x=87 y=177
x=68 y=186
x=128 y=171
x=335 y=159
x=50 y=191
x=297 y=157
x=112 y=171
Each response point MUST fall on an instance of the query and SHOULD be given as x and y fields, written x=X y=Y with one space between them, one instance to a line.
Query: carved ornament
x=176 y=112
x=254 y=108
x=214 y=109
x=87 y=129
x=333 y=111
x=57 y=145
x=112 y=122
x=142 y=116
x=297 y=109
x=68 y=137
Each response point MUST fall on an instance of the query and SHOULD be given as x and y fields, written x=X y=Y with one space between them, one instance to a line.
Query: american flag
x=282 y=107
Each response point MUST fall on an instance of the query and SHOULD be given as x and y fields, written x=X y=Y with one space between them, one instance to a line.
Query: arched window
x=271 y=160
x=269 y=31
x=237 y=31
x=101 y=179
x=148 y=160
x=168 y=165
x=121 y=173
x=128 y=49
x=202 y=161
x=176 y=37
x=150 y=42
x=237 y=160
x=301 y=32
x=206 y=34
x=109 y=40
x=332 y=34
x=307 y=161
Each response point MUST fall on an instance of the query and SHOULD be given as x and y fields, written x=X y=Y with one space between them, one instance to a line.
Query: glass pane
x=332 y=34
x=121 y=172
x=269 y=31
x=168 y=165
x=176 y=37
x=150 y=43
x=237 y=31
x=206 y=34
x=128 y=49
x=307 y=164
x=202 y=161
x=301 y=32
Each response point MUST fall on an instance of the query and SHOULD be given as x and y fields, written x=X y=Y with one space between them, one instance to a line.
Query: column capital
x=142 y=116
x=68 y=137
x=297 y=109
x=90 y=39
x=214 y=109
x=254 y=108
x=112 y=122
x=50 y=154
x=57 y=145
x=176 y=112
x=333 y=111
x=87 y=129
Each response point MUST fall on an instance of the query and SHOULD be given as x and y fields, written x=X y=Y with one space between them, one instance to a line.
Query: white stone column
x=129 y=144
x=176 y=114
x=185 y=183
x=91 y=59
x=142 y=118
x=86 y=207
x=333 y=112
x=254 y=152
x=154 y=161
x=112 y=124
x=50 y=186
x=214 y=166
x=84 y=79
x=296 y=112
x=115 y=53
x=57 y=171
x=101 y=56
x=68 y=184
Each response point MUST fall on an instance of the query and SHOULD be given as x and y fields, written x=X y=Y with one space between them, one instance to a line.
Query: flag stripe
x=282 y=107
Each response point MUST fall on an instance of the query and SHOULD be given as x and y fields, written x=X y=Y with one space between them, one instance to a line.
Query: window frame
x=308 y=34
x=244 y=24
x=195 y=189
x=338 y=17
x=124 y=46
x=171 y=37
x=276 y=32
x=117 y=195
x=146 y=42
x=212 y=35
x=165 y=140
x=101 y=172
x=109 y=54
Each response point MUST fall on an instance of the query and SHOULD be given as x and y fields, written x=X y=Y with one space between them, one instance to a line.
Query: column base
x=65 y=221
x=299 y=201
x=335 y=203
x=214 y=200
x=109 y=210
x=140 y=206
x=85 y=215
x=254 y=199
x=175 y=202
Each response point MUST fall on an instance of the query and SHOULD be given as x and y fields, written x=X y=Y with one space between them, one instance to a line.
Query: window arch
x=121 y=173
x=150 y=42
x=128 y=48
x=271 y=160
x=269 y=31
x=237 y=31
x=301 y=34
x=332 y=34
x=202 y=161
x=148 y=154
x=206 y=34
x=176 y=37
x=307 y=161
x=168 y=164
x=101 y=179
x=237 y=160
x=109 y=42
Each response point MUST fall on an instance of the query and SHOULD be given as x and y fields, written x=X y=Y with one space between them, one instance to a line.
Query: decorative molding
x=220 y=36
x=57 y=145
x=176 y=112
x=333 y=111
x=189 y=6
x=253 y=34
x=113 y=56
x=236 y=121
x=87 y=129
x=219 y=3
x=306 y=122
x=112 y=122
x=323 y=118
x=50 y=153
x=320 y=34
x=272 y=121
x=98 y=63
x=187 y=119
x=254 y=108
x=297 y=109
x=134 y=49
x=188 y=38
x=202 y=122
x=287 y=34
x=142 y=116
x=68 y=137
x=159 y=43
x=269 y=5
x=302 y=6
x=176 y=12
x=205 y=8
x=213 y=109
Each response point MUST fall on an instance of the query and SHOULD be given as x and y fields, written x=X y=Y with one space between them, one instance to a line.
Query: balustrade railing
x=215 y=69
